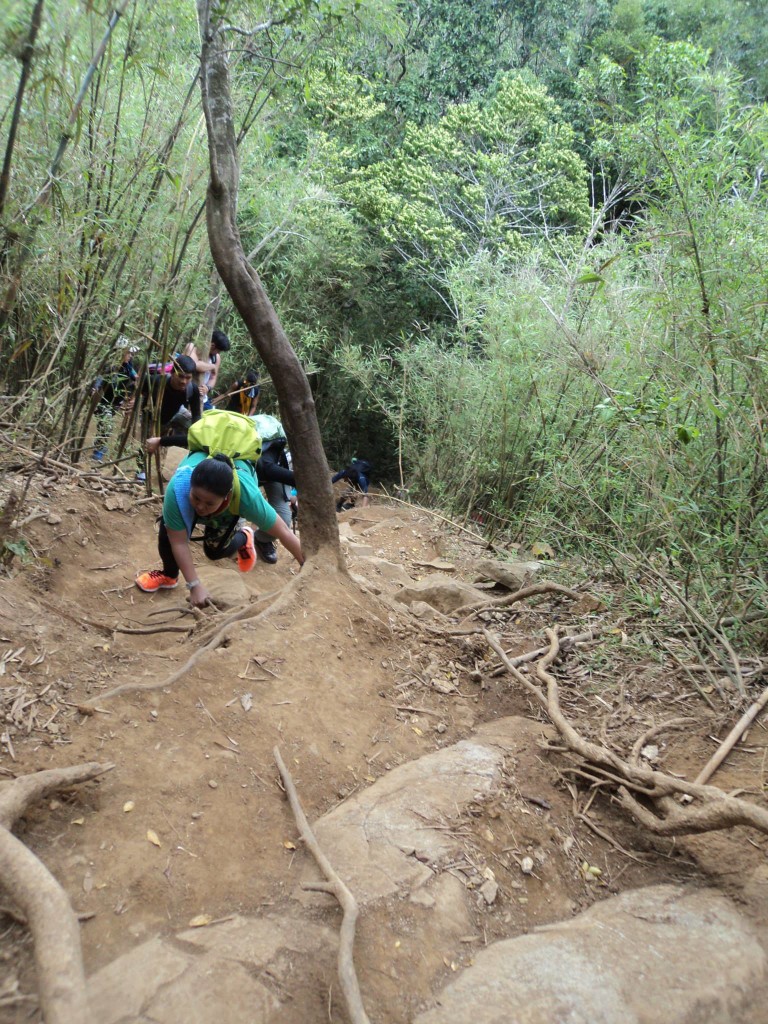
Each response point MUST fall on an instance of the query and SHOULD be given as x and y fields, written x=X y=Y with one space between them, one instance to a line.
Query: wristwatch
x=192 y=584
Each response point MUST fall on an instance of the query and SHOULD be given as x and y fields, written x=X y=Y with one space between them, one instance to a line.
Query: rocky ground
x=474 y=853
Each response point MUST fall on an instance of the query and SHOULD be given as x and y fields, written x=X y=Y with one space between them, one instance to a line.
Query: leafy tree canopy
x=492 y=175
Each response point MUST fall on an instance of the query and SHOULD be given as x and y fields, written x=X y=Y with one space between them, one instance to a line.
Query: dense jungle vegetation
x=520 y=248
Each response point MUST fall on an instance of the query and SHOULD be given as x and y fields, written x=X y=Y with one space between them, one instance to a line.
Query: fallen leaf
x=247 y=701
x=200 y=921
x=128 y=806
x=152 y=837
x=79 y=821
x=417 y=730
x=289 y=845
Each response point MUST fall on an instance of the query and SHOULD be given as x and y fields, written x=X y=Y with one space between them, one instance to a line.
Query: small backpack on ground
x=220 y=432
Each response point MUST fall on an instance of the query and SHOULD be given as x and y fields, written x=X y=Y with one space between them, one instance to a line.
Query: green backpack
x=269 y=427
x=220 y=432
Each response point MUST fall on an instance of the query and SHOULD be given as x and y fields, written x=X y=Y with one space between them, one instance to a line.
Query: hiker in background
x=113 y=387
x=178 y=391
x=203 y=490
x=275 y=475
x=357 y=473
x=208 y=369
x=243 y=395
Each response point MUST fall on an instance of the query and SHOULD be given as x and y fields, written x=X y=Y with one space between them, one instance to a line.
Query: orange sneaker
x=246 y=556
x=155 y=579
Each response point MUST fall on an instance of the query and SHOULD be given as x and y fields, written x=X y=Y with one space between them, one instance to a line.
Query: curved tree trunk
x=319 y=529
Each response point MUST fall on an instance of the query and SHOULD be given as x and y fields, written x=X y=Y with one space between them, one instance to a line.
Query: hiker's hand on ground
x=199 y=596
x=153 y=443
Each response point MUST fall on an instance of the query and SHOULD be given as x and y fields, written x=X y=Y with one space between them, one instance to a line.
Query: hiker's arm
x=274 y=473
x=195 y=405
x=180 y=546
x=169 y=441
x=214 y=374
x=287 y=538
x=201 y=365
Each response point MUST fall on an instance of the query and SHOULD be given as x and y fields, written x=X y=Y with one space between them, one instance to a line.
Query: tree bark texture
x=319 y=528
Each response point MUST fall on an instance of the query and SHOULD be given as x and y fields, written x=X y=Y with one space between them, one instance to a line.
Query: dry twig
x=732 y=738
x=334 y=886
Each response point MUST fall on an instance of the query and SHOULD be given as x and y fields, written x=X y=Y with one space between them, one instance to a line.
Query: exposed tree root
x=665 y=816
x=334 y=886
x=212 y=639
x=45 y=905
x=474 y=607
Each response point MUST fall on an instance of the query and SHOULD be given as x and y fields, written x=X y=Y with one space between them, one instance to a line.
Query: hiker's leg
x=141 y=454
x=223 y=543
x=170 y=567
x=105 y=416
x=279 y=497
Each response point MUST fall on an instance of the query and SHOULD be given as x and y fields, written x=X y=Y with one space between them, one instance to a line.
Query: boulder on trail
x=512 y=575
x=664 y=953
x=227 y=587
x=230 y=971
x=380 y=841
x=446 y=595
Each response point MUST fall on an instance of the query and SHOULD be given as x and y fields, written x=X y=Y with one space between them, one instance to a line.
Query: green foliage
x=420 y=215
x=15 y=549
x=489 y=176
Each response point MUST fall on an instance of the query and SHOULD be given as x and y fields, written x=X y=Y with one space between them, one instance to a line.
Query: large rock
x=225 y=584
x=446 y=595
x=380 y=841
x=393 y=572
x=661 y=954
x=512 y=575
x=209 y=975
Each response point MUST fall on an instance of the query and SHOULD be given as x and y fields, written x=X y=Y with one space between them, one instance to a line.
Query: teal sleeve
x=171 y=514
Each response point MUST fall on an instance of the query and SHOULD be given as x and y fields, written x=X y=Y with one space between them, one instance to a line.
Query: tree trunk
x=319 y=529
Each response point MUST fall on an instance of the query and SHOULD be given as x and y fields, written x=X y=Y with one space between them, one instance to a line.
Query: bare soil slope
x=191 y=821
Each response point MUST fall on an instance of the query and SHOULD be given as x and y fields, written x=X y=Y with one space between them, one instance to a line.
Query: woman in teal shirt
x=205 y=490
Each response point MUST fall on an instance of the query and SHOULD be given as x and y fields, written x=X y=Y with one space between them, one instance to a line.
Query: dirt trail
x=192 y=822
